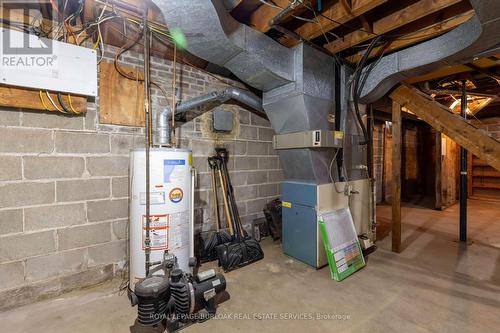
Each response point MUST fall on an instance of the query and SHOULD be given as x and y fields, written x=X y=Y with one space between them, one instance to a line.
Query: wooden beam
x=114 y=34
x=260 y=17
x=486 y=72
x=396 y=176
x=128 y=8
x=452 y=70
x=333 y=16
x=24 y=98
x=443 y=120
x=417 y=36
x=386 y=24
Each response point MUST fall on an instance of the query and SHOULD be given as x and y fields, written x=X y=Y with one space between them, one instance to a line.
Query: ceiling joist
x=333 y=16
x=391 y=22
x=417 y=36
x=260 y=18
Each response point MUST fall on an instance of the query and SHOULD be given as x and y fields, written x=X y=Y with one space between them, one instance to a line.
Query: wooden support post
x=396 y=176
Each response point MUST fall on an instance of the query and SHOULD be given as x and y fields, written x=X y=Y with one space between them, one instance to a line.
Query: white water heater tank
x=171 y=210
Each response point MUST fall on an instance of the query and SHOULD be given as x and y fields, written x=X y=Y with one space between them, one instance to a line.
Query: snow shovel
x=209 y=240
x=241 y=250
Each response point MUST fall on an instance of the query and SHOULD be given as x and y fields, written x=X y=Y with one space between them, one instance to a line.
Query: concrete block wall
x=64 y=186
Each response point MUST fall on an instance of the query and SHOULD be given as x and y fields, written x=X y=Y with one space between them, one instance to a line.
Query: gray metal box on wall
x=222 y=120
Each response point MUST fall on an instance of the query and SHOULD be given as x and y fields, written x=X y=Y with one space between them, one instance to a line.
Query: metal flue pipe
x=215 y=97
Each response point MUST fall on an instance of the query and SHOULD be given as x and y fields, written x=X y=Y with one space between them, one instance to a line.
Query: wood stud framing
x=396 y=175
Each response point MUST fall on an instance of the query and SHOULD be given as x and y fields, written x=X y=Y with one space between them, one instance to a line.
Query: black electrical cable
x=70 y=19
x=63 y=106
x=124 y=49
x=355 y=91
x=18 y=25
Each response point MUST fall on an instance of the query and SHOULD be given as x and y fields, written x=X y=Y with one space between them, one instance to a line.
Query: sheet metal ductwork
x=305 y=105
x=460 y=45
x=206 y=102
x=298 y=83
x=216 y=37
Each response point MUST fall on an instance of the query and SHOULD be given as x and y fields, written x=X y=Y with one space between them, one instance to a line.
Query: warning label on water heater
x=158 y=231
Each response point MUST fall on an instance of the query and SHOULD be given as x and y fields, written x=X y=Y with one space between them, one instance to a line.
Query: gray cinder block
x=82 y=189
x=43 y=267
x=45 y=217
x=11 y=221
x=10 y=168
x=85 y=235
x=26 y=194
x=76 y=142
x=107 y=210
x=46 y=167
x=11 y=274
x=108 y=166
x=25 y=140
x=21 y=246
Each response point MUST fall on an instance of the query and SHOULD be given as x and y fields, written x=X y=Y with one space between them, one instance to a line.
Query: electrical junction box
x=309 y=139
x=45 y=64
x=222 y=120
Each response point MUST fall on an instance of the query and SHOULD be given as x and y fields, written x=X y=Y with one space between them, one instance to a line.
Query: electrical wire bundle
x=358 y=84
x=63 y=108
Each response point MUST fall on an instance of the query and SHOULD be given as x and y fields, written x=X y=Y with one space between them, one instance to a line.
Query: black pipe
x=463 y=173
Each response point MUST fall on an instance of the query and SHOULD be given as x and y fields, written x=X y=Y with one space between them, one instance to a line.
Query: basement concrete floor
x=435 y=285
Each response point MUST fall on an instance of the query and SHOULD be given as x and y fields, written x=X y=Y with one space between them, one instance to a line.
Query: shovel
x=211 y=239
x=241 y=250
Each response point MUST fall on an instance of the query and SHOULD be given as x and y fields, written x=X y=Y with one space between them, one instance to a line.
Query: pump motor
x=177 y=298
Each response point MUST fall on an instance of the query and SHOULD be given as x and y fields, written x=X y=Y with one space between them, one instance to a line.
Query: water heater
x=171 y=208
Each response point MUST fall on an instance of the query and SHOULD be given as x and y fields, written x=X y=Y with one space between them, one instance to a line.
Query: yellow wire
x=160 y=32
x=97 y=41
x=43 y=102
x=151 y=26
x=71 y=104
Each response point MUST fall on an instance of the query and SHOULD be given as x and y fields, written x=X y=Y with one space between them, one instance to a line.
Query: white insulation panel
x=39 y=63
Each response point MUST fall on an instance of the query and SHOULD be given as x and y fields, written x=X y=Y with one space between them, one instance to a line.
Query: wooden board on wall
x=120 y=99
x=409 y=161
x=23 y=98
x=484 y=180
